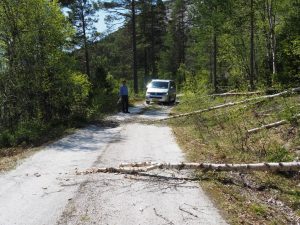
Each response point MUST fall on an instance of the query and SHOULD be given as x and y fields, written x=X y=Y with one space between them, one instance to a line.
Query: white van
x=161 y=91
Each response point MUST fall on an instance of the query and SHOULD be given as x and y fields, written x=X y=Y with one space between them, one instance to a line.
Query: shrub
x=279 y=155
x=29 y=132
x=80 y=92
x=6 y=139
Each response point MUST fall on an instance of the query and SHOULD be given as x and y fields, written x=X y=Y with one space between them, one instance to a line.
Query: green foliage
x=259 y=209
x=196 y=84
x=279 y=155
x=28 y=132
x=38 y=79
x=104 y=100
x=289 y=47
x=80 y=92
x=6 y=139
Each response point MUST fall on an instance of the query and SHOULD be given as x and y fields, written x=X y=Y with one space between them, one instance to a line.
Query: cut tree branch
x=265 y=97
x=136 y=168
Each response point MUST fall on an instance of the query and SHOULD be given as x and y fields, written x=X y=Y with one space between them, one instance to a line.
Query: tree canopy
x=55 y=66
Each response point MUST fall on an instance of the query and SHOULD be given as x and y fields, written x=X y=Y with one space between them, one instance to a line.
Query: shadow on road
x=88 y=139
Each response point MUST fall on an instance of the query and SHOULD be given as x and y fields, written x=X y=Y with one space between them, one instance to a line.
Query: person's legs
x=123 y=103
x=126 y=103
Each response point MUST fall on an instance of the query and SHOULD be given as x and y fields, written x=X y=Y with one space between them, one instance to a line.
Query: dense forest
x=56 y=68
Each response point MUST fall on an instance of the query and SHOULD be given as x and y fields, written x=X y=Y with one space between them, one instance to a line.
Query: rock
x=37 y=174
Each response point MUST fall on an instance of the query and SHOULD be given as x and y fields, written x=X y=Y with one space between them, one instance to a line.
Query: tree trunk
x=265 y=97
x=135 y=77
x=271 y=19
x=236 y=94
x=269 y=30
x=251 y=75
x=153 y=53
x=146 y=68
x=86 y=50
x=270 y=125
x=215 y=49
x=146 y=167
x=211 y=66
x=183 y=34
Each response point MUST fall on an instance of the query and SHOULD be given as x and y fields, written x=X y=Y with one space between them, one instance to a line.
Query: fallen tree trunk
x=236 y=94
x=146 y=167
x=271 y=125
x=265 y=97
x=267 y=126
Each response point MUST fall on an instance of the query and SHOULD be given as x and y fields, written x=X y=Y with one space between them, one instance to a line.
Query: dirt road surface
x=44 y=190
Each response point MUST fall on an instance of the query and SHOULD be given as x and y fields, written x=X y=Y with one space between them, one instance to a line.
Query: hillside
x=220 y=136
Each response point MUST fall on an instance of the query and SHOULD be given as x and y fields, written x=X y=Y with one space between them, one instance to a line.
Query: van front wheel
x=174 y=100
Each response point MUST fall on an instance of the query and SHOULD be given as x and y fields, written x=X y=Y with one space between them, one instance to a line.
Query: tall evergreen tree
x=82 y=16
x=152 y=24
x=126 y=10
x=175 y=39
x=209 y=18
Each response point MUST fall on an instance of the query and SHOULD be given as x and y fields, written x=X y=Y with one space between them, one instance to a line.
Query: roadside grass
x=220 y=136
x=10 y=160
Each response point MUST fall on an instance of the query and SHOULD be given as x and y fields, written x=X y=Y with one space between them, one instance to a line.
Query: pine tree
x=126 y=10
x=82 y=16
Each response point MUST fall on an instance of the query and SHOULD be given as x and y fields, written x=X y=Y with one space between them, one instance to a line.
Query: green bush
x=103 y=99
x=6 y=139
x=81 y=88
x=29 y=132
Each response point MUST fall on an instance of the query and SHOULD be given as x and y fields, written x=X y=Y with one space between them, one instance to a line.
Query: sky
x=101 y=26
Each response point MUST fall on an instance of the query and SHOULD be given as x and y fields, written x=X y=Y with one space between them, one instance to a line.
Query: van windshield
x=159 y=84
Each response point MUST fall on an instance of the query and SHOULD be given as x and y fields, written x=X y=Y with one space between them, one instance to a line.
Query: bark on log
x=138 y=168
x=236 y=94
x=267 y=126
x=265 y=97
x=271 y=125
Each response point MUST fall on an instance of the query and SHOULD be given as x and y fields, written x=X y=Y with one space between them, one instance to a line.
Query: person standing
x=124 y=97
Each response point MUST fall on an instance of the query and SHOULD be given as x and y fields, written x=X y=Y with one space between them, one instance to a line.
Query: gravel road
x=44 y=190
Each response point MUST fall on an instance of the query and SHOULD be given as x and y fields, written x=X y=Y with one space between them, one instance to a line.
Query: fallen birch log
x=265 y=97
x=271 y=125
x=236 y=94
x=126 y=169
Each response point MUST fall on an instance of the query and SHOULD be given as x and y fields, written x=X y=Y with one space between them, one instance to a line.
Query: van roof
x=161 y=80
